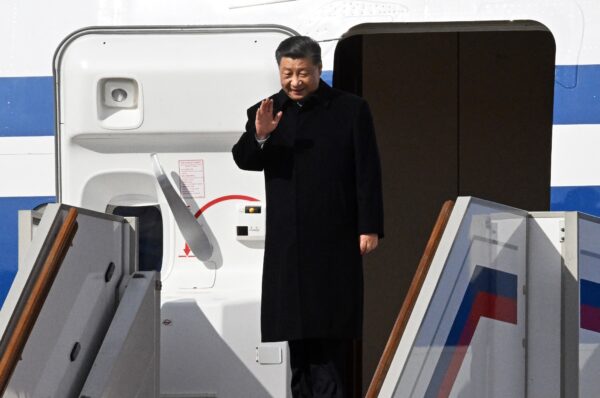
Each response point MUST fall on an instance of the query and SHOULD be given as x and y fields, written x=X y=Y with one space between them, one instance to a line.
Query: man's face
x=299 y=77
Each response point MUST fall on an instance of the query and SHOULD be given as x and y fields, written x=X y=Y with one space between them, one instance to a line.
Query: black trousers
x=320 y=368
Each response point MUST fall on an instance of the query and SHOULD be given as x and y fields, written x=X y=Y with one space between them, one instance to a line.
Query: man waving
x=317 y=148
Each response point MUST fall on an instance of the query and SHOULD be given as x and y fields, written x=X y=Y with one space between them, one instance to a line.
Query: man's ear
x=320 y=69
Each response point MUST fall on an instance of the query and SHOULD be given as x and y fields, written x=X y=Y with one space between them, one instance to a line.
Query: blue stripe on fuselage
x=9 y=236
x=26 y=106
x=585 y=199
x=577 y=94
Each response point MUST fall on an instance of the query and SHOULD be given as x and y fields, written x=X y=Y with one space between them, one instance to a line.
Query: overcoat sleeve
x=368 y=174
x=247 y=153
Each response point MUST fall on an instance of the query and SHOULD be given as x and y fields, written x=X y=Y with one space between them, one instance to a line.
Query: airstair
x=80 y=320
x=505 y=303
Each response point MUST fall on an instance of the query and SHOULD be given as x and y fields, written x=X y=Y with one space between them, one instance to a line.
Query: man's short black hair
x=299 y=47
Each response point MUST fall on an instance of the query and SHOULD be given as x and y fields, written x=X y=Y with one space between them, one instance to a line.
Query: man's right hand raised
x=265 y=123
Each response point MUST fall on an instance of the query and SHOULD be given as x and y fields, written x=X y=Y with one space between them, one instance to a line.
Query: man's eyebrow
x=299 y=70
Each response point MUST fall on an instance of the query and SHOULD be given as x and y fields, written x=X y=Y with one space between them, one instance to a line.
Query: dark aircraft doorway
x=459 y=109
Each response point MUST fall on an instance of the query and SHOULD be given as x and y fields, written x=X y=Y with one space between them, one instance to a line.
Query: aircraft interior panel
x=451 y=119
x=505 y=100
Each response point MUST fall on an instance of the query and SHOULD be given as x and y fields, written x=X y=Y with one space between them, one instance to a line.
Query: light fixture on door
x=119 y=103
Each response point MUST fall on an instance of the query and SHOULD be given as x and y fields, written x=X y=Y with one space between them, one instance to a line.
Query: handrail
x=409 y=301
x=34 y=302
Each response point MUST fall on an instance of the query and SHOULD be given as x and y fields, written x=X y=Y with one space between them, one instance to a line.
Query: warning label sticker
x=191 y=174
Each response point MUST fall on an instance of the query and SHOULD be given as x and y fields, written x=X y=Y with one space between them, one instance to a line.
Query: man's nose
x=296 y=81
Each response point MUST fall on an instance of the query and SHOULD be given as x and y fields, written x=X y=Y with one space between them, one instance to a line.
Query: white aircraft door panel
x=182 y=93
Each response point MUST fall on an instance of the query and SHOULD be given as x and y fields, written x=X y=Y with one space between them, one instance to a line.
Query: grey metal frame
x=569 y=311
x=128 y=362
x=63 y=293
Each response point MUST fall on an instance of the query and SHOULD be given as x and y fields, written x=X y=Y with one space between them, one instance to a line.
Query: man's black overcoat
x=323 y=189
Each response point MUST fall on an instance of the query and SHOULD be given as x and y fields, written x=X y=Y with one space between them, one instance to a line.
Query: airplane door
x=125 y=94
x=179 y=92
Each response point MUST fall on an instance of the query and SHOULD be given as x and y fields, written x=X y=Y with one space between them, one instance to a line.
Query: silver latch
x=269 y=355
